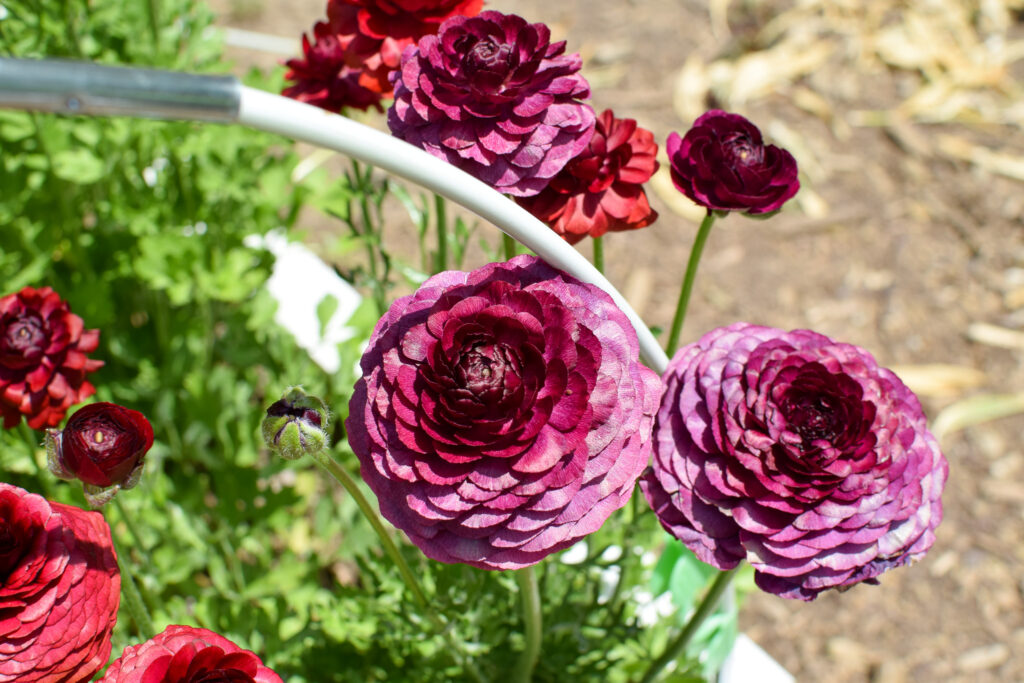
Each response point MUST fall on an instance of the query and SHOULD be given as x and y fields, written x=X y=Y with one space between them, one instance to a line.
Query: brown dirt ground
x=908 y=233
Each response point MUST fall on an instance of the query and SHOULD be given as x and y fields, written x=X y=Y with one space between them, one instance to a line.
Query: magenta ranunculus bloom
x=797 y=453
x=723 y=164
x=183 y=654
x=492 y=95
x=59 y=590
x=502 y=414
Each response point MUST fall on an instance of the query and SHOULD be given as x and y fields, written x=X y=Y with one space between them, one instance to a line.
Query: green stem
x=706 y=607
x=509 y=244
x=133 y=531
x=132 y=597
x=532 y=616
x=154 y=24
x=328 y=463
x=442 y=234
x=599 y=253
x=691 y=274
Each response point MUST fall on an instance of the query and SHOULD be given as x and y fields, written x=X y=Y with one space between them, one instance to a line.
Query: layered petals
x=796 y=453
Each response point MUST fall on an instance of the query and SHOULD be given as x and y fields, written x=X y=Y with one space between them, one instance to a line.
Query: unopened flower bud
x=103 y=446
x=297 y=424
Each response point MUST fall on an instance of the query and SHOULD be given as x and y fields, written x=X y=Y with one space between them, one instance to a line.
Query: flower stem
x=599 y=253
x=323 y=459
x=687 y=288
x=706 y=607
x=442 y=234
x=132 y=597
x=532 y=616
x=133 y=531
x=509 y=243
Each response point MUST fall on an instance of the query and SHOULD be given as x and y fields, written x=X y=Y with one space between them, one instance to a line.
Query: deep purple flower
x=102 y=445
x=797 y=453
x=502 y=414
x=601 y=190
x=492 y=95
x=723 y=164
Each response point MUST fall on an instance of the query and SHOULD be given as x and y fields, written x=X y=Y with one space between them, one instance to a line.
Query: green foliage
x=141 y=226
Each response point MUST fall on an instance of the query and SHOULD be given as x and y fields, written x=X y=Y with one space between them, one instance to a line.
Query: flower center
x=485 y=62
x=742 y=149
x=481 y=369
x=815 y=417
x=23 y=342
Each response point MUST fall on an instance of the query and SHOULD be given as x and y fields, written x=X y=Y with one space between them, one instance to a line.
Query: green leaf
x=78 y=166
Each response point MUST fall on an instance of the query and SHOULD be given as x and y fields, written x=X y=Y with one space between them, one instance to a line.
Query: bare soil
x=907 y=239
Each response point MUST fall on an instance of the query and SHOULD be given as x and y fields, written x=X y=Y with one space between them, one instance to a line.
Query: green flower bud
x=297 y=424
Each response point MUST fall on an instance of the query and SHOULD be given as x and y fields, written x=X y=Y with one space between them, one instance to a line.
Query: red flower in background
x=360 y=45
x=601 y=190
x=182 y=654
x=59 y=590
x=43 y=362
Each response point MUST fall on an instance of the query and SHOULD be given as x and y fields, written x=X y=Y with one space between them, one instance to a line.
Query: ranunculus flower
x=102 y=445
x=723 y=164
x=183 y=654
x=43 y=362
x=601 y=190
x=296 y=425
x=493 y=96
x=797 y=453
x=59 y=590
x=502 y=414
x=360 y=44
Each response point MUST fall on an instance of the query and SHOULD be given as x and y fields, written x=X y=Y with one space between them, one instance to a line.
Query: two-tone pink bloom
x=796 y=453
x=502 y=414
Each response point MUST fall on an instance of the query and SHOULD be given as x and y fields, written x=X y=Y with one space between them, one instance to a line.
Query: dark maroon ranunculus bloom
x=797 y=453
x=493 y=96
x=59 y=590
x=103 y=444
x=183 y=654
x=354 y=52
x=601 y=190
x=723 y=164
x=502 y=414
x=43 y=362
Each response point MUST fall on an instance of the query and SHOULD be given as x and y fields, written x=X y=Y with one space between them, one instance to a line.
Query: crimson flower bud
x=103 y=446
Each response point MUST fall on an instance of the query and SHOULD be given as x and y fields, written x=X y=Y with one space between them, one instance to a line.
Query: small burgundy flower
x=59 y=590
x=601 y=190
x=502 y=414
x=356 y=49
x=493 y=96
x=103 y=445
x=796 y=453
x=723 y=164
x=43 y=362
x=183 y=654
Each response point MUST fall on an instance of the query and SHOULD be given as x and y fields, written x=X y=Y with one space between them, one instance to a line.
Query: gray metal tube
x=69 y=87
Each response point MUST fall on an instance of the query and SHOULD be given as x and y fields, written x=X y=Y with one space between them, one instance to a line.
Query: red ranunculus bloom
x=493 y=96
x=59 y=590
x=360 y=44
x=502 y=414
x=796 y=453
x=102 y=445
x=601 y=190
x=43 y=362
x=183 y=654
x=723 y=164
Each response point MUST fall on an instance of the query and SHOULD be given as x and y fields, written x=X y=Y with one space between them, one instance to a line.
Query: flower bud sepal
x=296 y=425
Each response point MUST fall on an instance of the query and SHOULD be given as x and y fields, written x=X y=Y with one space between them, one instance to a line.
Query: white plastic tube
x=299 y=121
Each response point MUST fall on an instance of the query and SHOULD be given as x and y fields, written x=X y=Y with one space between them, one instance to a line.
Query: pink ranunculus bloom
x=350 y=60
x=601 y=190
x=723 y=164
x=183 y=654
x=796 y=453
x=493 y=96
x=502 y=414
x=59 y=590
x=43 y=362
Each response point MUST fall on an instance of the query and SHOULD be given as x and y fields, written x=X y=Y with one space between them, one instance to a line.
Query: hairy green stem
x=532 y=616
x=706 y=607
x=132 y=597
x=133 y=530
x=599 y=254
x=442 y=234
x=509 y=244
x=687 y=288
x=328 y=463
